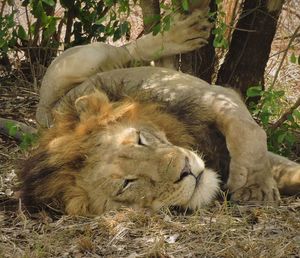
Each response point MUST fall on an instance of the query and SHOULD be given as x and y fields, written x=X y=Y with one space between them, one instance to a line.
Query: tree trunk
x=250 y=46
x=149 y=9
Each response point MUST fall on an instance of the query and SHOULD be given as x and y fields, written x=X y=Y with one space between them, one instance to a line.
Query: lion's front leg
x=250 y=177
x=259 y=186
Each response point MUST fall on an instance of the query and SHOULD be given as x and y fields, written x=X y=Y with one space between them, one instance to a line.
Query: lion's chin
x=206 y=190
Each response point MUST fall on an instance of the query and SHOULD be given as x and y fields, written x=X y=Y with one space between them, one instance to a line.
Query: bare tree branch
x=2 y=7
x=285 y=115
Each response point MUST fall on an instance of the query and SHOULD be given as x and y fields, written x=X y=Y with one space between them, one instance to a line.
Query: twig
x=29 y=26
x=292 y=11
x=281 y=51
x=288 y=37
x=284 y=56
x=2 y=8
x=232 y=20
x=285 y=115
x=240 y=29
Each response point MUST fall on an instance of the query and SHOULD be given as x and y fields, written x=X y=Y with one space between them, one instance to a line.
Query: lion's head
x=102 y=155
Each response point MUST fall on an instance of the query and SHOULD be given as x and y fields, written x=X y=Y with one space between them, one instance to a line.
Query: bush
x=279 y=121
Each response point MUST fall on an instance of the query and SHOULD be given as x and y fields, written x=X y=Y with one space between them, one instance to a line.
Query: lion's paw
x=256 y=193
x=189 y=33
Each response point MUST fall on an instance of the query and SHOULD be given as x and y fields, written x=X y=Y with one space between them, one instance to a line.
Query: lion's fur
x=186 y=112
x=53 y=175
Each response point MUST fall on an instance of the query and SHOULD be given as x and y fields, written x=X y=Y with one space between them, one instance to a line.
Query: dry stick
x=284 y=56
x=2 y=8
x=288 y=37
x=292 y=11
x=29 y=25
x=285 y=115
x=281 y=51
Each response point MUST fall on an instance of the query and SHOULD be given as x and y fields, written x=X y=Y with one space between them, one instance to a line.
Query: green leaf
x=290 y=138
x=37 y=9
x=51 y=28
x=109 y=2
x=100 y=21
x=185 y=5
x=22 y=33
x=117 y=34
x=290 y=118
x=49 y=2
x=265 y=118
x=3 y=42
x=279 y=93
x=281 y=137
x=124 y=27
x=156 y=29
x=27 y=140
x=166 y=23
x=218 y=41
x=151 y=19
x=296 y=113
x=293 y=58
x=254 y=91
x=12 y=130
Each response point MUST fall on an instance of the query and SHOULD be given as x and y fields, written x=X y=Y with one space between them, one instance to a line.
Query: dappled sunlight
x=220 y=102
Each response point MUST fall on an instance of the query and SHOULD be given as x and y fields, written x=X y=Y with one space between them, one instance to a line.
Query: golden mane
x=55 y=166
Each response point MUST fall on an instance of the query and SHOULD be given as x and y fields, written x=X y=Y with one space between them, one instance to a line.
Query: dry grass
x=221 y=231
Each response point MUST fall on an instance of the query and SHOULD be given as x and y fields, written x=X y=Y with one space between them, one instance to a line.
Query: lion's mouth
x=187 y=171
x=198 y=178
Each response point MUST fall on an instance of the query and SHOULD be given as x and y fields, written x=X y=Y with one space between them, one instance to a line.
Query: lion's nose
x=186 y=171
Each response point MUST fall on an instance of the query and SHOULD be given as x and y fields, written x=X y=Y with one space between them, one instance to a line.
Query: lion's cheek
x=175 y=194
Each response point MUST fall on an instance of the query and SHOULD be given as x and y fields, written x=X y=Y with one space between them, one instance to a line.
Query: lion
x=146 y=137
x=103 y=155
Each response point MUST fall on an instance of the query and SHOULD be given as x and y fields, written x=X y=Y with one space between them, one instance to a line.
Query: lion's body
x=84 y=161
x=91 y=160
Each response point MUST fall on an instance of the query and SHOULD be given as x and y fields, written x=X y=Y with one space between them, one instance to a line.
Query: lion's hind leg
x=286 y=173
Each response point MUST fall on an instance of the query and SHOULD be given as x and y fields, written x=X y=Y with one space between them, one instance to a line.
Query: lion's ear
x=94 y=104
x=97 y=104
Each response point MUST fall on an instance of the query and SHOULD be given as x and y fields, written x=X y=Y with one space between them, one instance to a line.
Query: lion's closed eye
x=142 y=141
x=126 y=184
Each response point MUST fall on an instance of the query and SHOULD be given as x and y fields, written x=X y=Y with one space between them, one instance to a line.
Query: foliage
x=220 y=40
x=27 y=139
x=82 y=20
x=162 y=24
x=7 y=32
x=270 y=107
x=294 y=59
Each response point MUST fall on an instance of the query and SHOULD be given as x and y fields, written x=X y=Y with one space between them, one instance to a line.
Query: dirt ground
x=222 y=230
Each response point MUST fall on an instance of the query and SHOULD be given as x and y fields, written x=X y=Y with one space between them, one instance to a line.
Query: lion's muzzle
x=187 y=171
